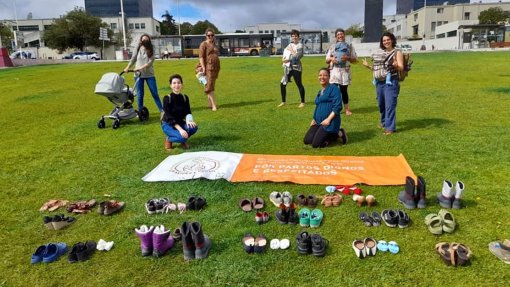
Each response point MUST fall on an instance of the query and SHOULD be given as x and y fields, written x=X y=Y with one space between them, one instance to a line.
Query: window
x=415 y=17
x=157 y=28
x=260 y=31
x=142 y=25
x=266 y=31
x=466 y=15
x=451 y=33
x=113 y=26
x=137 y=25
x=131 y=26
x=399 y=27
x=440 y=10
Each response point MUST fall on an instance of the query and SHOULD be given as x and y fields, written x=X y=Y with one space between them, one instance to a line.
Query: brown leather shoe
x=168 y=144
x=185 y=145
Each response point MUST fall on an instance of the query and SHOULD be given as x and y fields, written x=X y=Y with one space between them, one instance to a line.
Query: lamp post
x=123 y=24
x=17 y=26
x=178 y=18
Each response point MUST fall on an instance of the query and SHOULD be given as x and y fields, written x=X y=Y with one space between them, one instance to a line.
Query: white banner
x=191 y=165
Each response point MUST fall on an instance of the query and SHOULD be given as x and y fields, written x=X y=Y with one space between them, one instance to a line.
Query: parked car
x=83 y=56
x=23 y=54
x=405 y=47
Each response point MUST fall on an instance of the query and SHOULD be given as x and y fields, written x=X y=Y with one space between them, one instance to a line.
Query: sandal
x=336 y=199
x=448 y=220
x=327 y=201
x=258 y=203
x=445 y=252
x=434 y=223
x=462 y=252
x=245 y=205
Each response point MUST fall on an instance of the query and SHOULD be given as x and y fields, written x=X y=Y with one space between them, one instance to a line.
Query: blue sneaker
x=38 y=254
x=54 y=251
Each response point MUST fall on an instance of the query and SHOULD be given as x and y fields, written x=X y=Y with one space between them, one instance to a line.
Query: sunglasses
x=210 y=35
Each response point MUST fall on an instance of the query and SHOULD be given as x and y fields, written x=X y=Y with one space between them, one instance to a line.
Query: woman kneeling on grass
x=177 y=122
x=325 y=125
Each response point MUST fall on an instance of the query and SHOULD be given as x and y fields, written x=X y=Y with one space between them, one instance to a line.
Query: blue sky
x=227 y=15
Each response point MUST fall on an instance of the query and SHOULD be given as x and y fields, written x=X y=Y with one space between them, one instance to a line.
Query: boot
x=421 y=190
x=319 y=245
x=293 y=216
x=406 y=196
x=459 y=189
x=188 y=247
x=303 y=243
x=445 y=197
x=145 y=235
x=282 y=215
x=162 y=241
x=202 y=242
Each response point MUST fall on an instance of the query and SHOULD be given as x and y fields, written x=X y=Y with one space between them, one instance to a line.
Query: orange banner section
x=328 y=170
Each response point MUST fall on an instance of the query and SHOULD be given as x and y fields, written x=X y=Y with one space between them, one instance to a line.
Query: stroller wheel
x=101 y=124
x=116 y=124
x=143 y=115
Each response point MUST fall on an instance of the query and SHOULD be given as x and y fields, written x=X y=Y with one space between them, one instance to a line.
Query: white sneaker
x=108 y=245
x=101 y=245
x=284 y=243
x=274 y=244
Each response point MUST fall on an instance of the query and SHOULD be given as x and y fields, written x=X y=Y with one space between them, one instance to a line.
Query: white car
x=86 y=56
x=405 y=47
x=23 y=54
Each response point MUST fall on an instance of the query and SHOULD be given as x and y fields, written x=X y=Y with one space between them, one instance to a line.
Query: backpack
x=407 y=67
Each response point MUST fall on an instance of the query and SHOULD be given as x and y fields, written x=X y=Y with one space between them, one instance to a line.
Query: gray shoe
x=406 y=197
x=446 y=201
x=421 y=193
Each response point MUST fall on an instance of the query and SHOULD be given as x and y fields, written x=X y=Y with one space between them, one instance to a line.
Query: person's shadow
x=234 y=105
x=421 y=124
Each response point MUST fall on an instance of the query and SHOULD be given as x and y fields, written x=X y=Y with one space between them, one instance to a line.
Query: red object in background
x=5 y=61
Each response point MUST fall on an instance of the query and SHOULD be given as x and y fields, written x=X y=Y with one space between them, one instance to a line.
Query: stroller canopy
x=110 y=83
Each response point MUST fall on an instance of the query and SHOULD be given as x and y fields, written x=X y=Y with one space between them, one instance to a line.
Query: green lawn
x=453 y=123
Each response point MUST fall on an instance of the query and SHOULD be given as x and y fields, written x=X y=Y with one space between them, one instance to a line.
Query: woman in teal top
x=325 y=125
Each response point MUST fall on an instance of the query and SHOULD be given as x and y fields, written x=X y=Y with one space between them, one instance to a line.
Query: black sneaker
x=303 y=243
x=319 y=245
x=403 y=219
x=390 y=217
x=376 y=218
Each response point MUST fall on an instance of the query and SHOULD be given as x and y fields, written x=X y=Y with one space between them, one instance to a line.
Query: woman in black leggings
x=292 y=68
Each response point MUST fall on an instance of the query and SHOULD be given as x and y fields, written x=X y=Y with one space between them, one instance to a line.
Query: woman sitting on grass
x=176 y=121
x=325 y=125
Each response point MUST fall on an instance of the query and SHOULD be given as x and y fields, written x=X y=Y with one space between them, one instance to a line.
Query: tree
x=6 y=36
x=200 y=27
x=168 y=26
x=186 y=28
x=494 y=15
x=355 y=31
x=77 y=29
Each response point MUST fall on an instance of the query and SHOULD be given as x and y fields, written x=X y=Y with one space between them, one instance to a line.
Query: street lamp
x=123 y=24
x=179 y=17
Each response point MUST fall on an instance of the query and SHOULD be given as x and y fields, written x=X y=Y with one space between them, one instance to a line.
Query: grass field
x=453 y=123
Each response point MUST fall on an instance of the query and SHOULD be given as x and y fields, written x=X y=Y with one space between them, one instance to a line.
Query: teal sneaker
x=316 y=218
x=304 y=217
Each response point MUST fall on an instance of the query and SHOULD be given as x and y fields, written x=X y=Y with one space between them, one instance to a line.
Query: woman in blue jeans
x=176 y=121
x=387 y=92
x=144 y=71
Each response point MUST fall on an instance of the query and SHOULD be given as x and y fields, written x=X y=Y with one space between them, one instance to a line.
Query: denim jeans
x=173 y=135
x=387 y=96
x=151 y=82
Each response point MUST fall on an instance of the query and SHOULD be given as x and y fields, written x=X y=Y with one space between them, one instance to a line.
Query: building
x=111 y=8
x=373 y=20
x=406 y=6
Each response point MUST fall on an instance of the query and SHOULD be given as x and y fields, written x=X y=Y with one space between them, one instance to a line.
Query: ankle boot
x=406 y=196
x=282 y=215
x=293 y=216
x=145 y=235
x=202 y=242
x=188 y=246
x=303 y=243
x=162 y=241
x=445 y=197
x=459 y=189
x=422 y=195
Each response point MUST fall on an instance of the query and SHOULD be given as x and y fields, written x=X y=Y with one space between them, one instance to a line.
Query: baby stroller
x=112 y=86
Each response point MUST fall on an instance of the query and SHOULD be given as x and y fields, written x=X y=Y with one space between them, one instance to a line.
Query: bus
x=232 y=44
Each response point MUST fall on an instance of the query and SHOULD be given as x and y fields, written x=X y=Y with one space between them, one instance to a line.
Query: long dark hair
x=148 y=46
x=392 y=38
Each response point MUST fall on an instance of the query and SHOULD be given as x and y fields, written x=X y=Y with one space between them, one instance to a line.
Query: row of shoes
x=456 y=254
x=165 y=205
x=58 y=222
x=443 y=221
x=450 y=198
x=278 y=198
x=394 y=218
x=311 y=244
x=247 y=205
x=310 y=218
x=254 y=244
x=155 y=241
x=413 y=195
x=110 y=207
x=345 y=189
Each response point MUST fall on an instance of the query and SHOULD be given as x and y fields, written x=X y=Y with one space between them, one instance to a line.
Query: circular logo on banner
x=195 y=165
